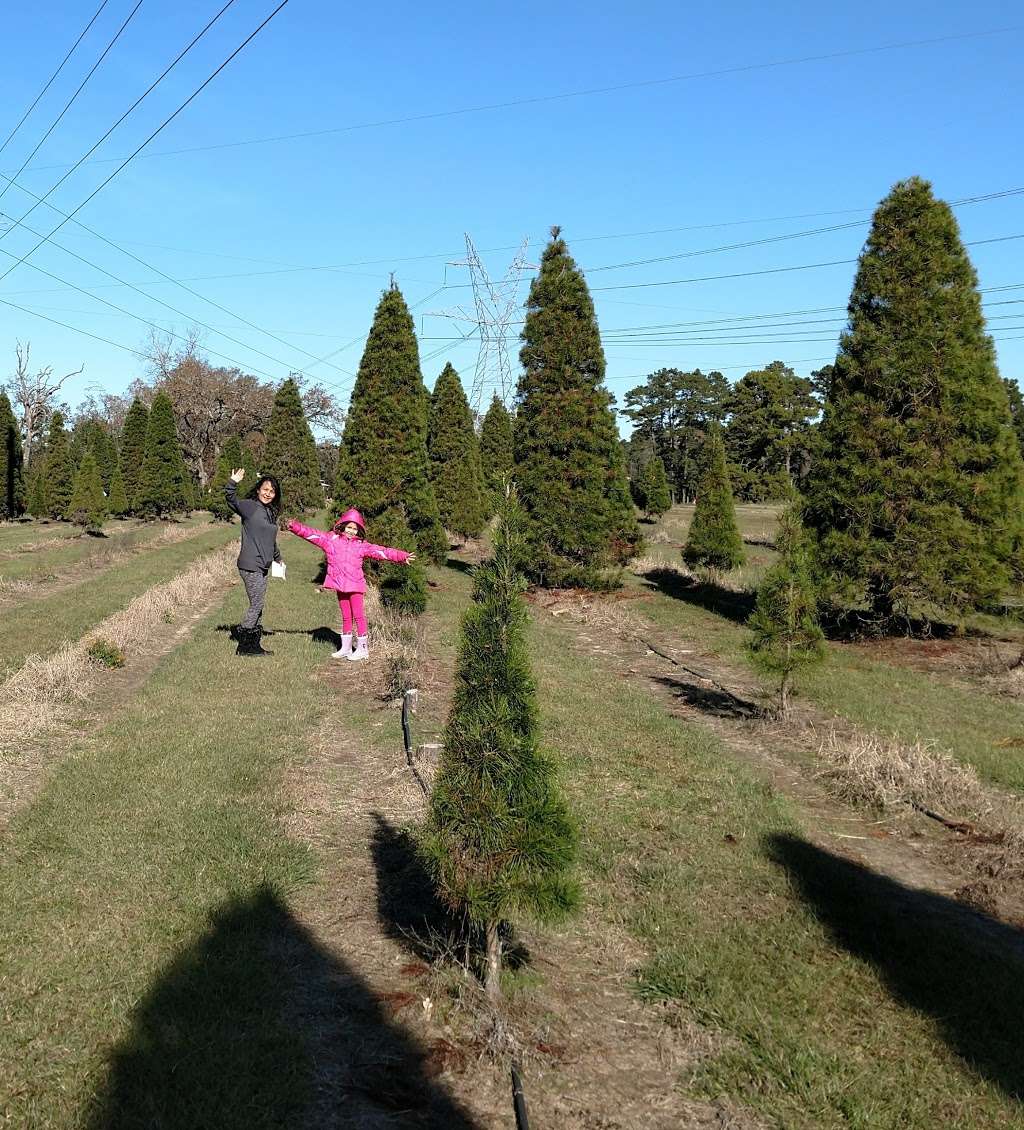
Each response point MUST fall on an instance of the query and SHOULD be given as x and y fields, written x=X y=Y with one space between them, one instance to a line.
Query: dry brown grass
x=37 y=695
x=10 y=589
x=397 y=641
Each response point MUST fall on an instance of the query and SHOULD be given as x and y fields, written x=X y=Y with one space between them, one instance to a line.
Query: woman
x=259 y=514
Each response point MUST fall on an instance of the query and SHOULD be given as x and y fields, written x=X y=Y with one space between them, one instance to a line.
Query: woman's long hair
x=275 y=506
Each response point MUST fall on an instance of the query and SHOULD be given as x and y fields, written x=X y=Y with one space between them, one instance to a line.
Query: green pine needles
x=291 y=452
x=402 y=587
x=164 y=485
x=383 y=458
x=713 y=544
x=569 y=465
x=88 y=505
x=12 y=473
x=496 y=453
x=499 y=839
x=59 y=470
x=133 y=450
x=786 y=635
x=916 y=498
x=454 y=452
x=654 y=489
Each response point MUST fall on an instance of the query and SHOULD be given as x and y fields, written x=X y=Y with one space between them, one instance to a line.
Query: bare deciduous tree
x=34 y=395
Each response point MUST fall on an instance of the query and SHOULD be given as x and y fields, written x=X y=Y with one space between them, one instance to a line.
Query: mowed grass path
x=141 y=892
x=39 y=626
x=885 y=698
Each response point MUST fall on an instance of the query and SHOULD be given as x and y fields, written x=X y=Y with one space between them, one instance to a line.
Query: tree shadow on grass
x=735 y=606
x=711 y=700
x=952 y=963
x=256 y=1026
x=461 y=566
x=411 y=913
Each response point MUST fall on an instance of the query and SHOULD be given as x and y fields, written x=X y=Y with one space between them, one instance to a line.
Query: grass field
x=152 y=955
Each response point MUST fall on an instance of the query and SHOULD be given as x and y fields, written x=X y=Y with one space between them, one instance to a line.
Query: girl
x=259 y=515
x=345 y=547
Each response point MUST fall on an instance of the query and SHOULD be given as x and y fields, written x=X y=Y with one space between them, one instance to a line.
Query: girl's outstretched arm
x=387 y=553
x=310 y=533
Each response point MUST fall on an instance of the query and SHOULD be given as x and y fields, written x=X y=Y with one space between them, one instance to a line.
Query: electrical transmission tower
x=495 y=306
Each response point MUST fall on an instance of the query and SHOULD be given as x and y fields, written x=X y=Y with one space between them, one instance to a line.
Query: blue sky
x=784 y=141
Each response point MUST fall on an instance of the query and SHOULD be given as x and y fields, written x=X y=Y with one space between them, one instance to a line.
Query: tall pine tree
x=59 y=473
x=117 y=501
x=455 y=457
x=291 y=452
x=654 y=487
x=496 y=453
x=713 y=543
x=499 y=840
x=164 y=486
x=133 y=450
x=916 y=498
x=383 y=458
x=12 y=473
x=230 y=459
x=88 y=505
x=569 y=465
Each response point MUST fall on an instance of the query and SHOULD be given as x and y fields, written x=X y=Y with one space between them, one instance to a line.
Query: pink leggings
x=351 y=604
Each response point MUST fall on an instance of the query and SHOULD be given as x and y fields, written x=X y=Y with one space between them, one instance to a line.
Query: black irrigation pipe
x=407 y=740
x=519 y=1100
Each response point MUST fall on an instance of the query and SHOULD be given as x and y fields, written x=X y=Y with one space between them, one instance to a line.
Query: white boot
x=360 y=651
x=345 y=650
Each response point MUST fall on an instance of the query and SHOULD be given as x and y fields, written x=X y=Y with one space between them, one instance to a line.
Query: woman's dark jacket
x=259 y=531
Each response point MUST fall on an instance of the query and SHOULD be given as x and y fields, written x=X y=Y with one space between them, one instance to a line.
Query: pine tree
x=657 y=499
x=230 y=459
x=117 y=500
x=499 y=840
x=402 y=587
x=37 y=488
x=12 y=472
x=59 y=475
x=383 y=458
x=133 y=450
x=291 y=452
x=713 y=543
x=786 y=635
x=496 y=453
x=569 y=466
x=105 y=450
x=163 y=486
x=454 y=453
x=916 y=498
x=88 y=505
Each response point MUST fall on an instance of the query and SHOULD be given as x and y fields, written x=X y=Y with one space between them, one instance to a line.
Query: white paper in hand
x=277 y=569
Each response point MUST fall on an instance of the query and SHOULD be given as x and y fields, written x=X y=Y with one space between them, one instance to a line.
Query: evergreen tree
x=786 y=635
x=249 y=464
x=383 y=458
x=1016 y=399
x=88 y=505
x=713 y=543
x=164 y=484
x=499 y=840
x=496 y=453
x=454 y=453
x=291 y=452
x=37 y=489
x=229 y=460
x=133 y=450
x=657 y=499
x=12 y=473
x=916 y=497
x=117 y=500
x=59 y=475
x=569 y=466
x=402 y=587
x=105 y=450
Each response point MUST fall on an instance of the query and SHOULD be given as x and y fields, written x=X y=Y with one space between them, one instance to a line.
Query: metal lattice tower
x=495 y=306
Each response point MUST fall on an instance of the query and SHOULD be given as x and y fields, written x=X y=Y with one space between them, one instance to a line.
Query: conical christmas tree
x=714 y=543
x=496 y=453
x=657 y=499
x=786 y=635
x=383 y=457
x=454 y=457
x=117 y=500
x=12 y=475
x=59 y=475
x=402 y=587
x=568 y=460
x=37 y=488
x=164 y=486
x=133 y=450
x=916 y=497
x=291 y=452
x=499 y=839
x=88 y=505
x=230 y=459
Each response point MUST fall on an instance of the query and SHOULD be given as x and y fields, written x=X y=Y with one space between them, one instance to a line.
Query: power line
x=75 y=329
x=50 y=80
x=586 y=93
x=145 y=94
x=74 y=97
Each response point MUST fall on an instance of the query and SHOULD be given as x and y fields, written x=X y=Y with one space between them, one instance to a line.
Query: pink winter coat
x=345 y=556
